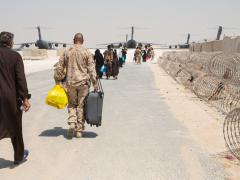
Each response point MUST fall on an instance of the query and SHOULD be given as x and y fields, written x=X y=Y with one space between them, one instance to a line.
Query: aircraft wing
x=114 y=43
x=56 y=44
x=22 y=45
x=151 y=43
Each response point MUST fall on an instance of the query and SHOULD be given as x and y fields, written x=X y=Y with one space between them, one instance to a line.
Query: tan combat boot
x=71 y=130
x=79 y=134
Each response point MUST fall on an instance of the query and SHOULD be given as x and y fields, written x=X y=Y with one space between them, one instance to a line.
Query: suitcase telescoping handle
x=99 y=84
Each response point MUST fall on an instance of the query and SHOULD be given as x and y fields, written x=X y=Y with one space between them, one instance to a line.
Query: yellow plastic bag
x=57 y=97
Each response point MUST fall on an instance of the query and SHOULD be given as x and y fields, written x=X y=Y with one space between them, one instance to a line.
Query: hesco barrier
x=215 y=78
x=34 y=54
x=227 y=45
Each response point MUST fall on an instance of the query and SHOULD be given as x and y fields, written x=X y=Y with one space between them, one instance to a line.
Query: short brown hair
x=6 y=38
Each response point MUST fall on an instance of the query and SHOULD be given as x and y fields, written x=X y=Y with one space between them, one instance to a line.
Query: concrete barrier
x=40 y=54
x=26 y=52
x=34 y=54
x=52 y=53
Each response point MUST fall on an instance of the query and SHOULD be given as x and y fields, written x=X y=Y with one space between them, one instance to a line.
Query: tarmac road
x=139 y=140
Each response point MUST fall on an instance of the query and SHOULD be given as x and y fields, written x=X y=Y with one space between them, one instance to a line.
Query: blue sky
x=100 y=21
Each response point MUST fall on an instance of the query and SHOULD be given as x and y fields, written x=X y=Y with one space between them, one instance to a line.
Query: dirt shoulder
x=204 y=122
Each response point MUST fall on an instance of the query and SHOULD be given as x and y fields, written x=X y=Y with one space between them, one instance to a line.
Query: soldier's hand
x=57 y=82
x=95 y=88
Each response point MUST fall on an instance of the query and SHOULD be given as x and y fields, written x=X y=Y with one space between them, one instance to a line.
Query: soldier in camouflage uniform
x=76 y=66
x=108 y=60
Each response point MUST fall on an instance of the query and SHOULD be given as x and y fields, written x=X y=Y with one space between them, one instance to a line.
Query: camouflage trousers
x=76 y=97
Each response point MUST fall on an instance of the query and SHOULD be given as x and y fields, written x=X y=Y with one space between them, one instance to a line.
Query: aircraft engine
x=64 y=45
x=176 y=47
x=56 y=44
x=27 y=45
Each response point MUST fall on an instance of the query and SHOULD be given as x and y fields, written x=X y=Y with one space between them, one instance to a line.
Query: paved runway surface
x=139 y=140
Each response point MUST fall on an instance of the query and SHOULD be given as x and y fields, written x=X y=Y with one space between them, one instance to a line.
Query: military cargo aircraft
x=186 y=45
x=40 y=43
x=182 y=46
x=130 y=44
x=220 y=30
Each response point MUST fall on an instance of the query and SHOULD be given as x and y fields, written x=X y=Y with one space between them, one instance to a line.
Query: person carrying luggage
x=77 y=66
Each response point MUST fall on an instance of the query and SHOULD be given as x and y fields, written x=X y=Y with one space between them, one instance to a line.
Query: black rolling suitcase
x=94 y=106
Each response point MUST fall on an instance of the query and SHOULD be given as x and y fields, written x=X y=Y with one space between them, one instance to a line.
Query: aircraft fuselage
x=131 y=44
x=41 y=44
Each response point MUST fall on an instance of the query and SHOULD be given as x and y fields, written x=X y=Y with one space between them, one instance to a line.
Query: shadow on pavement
x=6 y=164
x=59 y=131
x=55 y=132
x=89 y=134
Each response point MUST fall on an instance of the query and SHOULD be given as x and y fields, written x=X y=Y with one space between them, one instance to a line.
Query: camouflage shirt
x=77 y=66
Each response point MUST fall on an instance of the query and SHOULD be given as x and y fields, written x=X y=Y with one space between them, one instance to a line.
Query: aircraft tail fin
x=39 y=33
x=219 y=32
x=188 y=38
x=132 y=33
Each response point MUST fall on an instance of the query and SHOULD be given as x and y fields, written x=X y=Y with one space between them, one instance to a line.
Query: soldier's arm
x=59 y=68
x=91 y=70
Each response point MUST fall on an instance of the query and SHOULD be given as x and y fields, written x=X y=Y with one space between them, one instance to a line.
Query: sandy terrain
x=203 y=121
